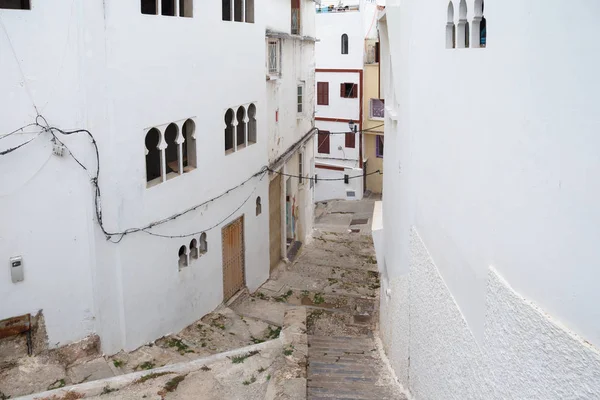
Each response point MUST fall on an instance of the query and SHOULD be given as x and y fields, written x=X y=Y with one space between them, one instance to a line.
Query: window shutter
x=354 y=91
x=326 y=95
x=323 y=145
x=350 y=140
x=342 y=90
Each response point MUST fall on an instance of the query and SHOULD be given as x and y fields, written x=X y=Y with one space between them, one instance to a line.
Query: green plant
x=261 y=295
x=145 y=365
x=318 y=298
x=274 y=333
x=332 y=281
x=106 y=390
x=171 y=386
x=305 y=293
x=249 y=381
x=151 y=376
x=241 y=358
x=283 y=298
x=118 y=363
x=261 y=370
x=255 y=340
x=182 y=348
x=57 y=384
x=269 y=377
x=288 y=351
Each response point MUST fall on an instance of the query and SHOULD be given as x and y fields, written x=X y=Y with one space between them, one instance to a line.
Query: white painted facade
x=490 y=209
x=290 y=129
x=83 y=67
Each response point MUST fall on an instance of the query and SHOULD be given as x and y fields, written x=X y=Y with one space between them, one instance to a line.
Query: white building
x=175 y=97
x=290 y=112
x=342 y=28
x=489 y=241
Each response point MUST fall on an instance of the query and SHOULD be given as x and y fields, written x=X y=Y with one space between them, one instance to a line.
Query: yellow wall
x=371 y=91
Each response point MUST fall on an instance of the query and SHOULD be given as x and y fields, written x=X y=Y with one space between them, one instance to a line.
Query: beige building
x=373 y=106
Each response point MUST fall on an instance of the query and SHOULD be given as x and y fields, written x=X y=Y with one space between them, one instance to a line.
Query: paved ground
x=333 y=281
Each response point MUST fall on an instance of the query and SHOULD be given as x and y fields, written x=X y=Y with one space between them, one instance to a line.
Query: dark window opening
x=186 y=8
x=203 y=244
x=323 y=93
x=189 y=146
x=379 y=146
x=194 y=249
x=229 y=130
x=226 y=10
x=344 y=44
x=15 y=4
x=295 y=18
x=238 y=10
x=349 y=90
x=250 y=11
x=258 y=206
x=323 y=142
x=172 y=150
x=153 y=170
x=241 y=127
x=350 y=140
x=251 y=124
x=168 y=7
x=182 y=257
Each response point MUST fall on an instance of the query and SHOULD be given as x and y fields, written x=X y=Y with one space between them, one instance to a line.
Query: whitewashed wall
x=329 y=28
x=493 y=290
x=343 y=155
x=339 y=107
x=338 y=189
x=86 y=68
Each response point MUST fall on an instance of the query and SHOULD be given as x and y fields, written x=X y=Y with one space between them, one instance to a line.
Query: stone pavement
x=336 y=278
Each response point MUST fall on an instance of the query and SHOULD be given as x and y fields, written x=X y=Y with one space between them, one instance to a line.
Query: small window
x=189 y=146
x=349 y=90
x=203 y=244
x=229 y=131
x=186 y=8
x=300 y=98
x=450 y=28
x=250 y=11
x=377 y=109
x=238 y=10
x=149 y=7
x=295 y=18
x=301 y=167
x=168 y=7
x=194 y=254
x=226 y=10
x=344 y=44
x=251 y=124
x=241 y=127
x=15 y=4
x=350 y=142
x=274 y=57
x=258 y=206
x=182 y=257
x=379 y=146
x=153 y=158
x=172 y=151
x=323 y=142
x=323 y=93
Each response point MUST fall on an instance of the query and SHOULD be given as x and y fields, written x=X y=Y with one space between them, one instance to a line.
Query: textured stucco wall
x=525 y=354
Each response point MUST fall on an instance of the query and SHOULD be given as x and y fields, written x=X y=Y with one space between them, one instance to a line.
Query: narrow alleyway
x=336 y=278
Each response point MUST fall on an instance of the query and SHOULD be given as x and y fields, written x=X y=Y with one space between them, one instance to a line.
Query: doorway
x=275 y=222
x=234 y=277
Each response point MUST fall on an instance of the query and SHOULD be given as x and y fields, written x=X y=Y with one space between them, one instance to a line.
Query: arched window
x=250 y=11
x=182 y=257
x=194 y=254
x=463 y=26
x=241 y=127
x=251 y=124
x=258 y=206
x=203 y=244
x=226 y=10
x=153 y=162
x=238 y=10
x=189 y=146
x=229 y=131
x=479 y=34
x=450 y=28
x=344 y=44
x=172 y=151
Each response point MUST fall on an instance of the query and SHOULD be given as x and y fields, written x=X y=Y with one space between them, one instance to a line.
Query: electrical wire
x=10 y=150
x=316 y=179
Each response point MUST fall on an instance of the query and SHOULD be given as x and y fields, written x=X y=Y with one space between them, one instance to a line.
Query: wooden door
x=233 y=258
x=275 y=221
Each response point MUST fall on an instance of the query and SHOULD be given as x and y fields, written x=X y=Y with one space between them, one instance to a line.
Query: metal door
x=234 y=277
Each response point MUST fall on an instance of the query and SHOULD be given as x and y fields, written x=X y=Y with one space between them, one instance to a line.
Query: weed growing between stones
x=151 y=376
x=240 y=359
x=249 y=381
